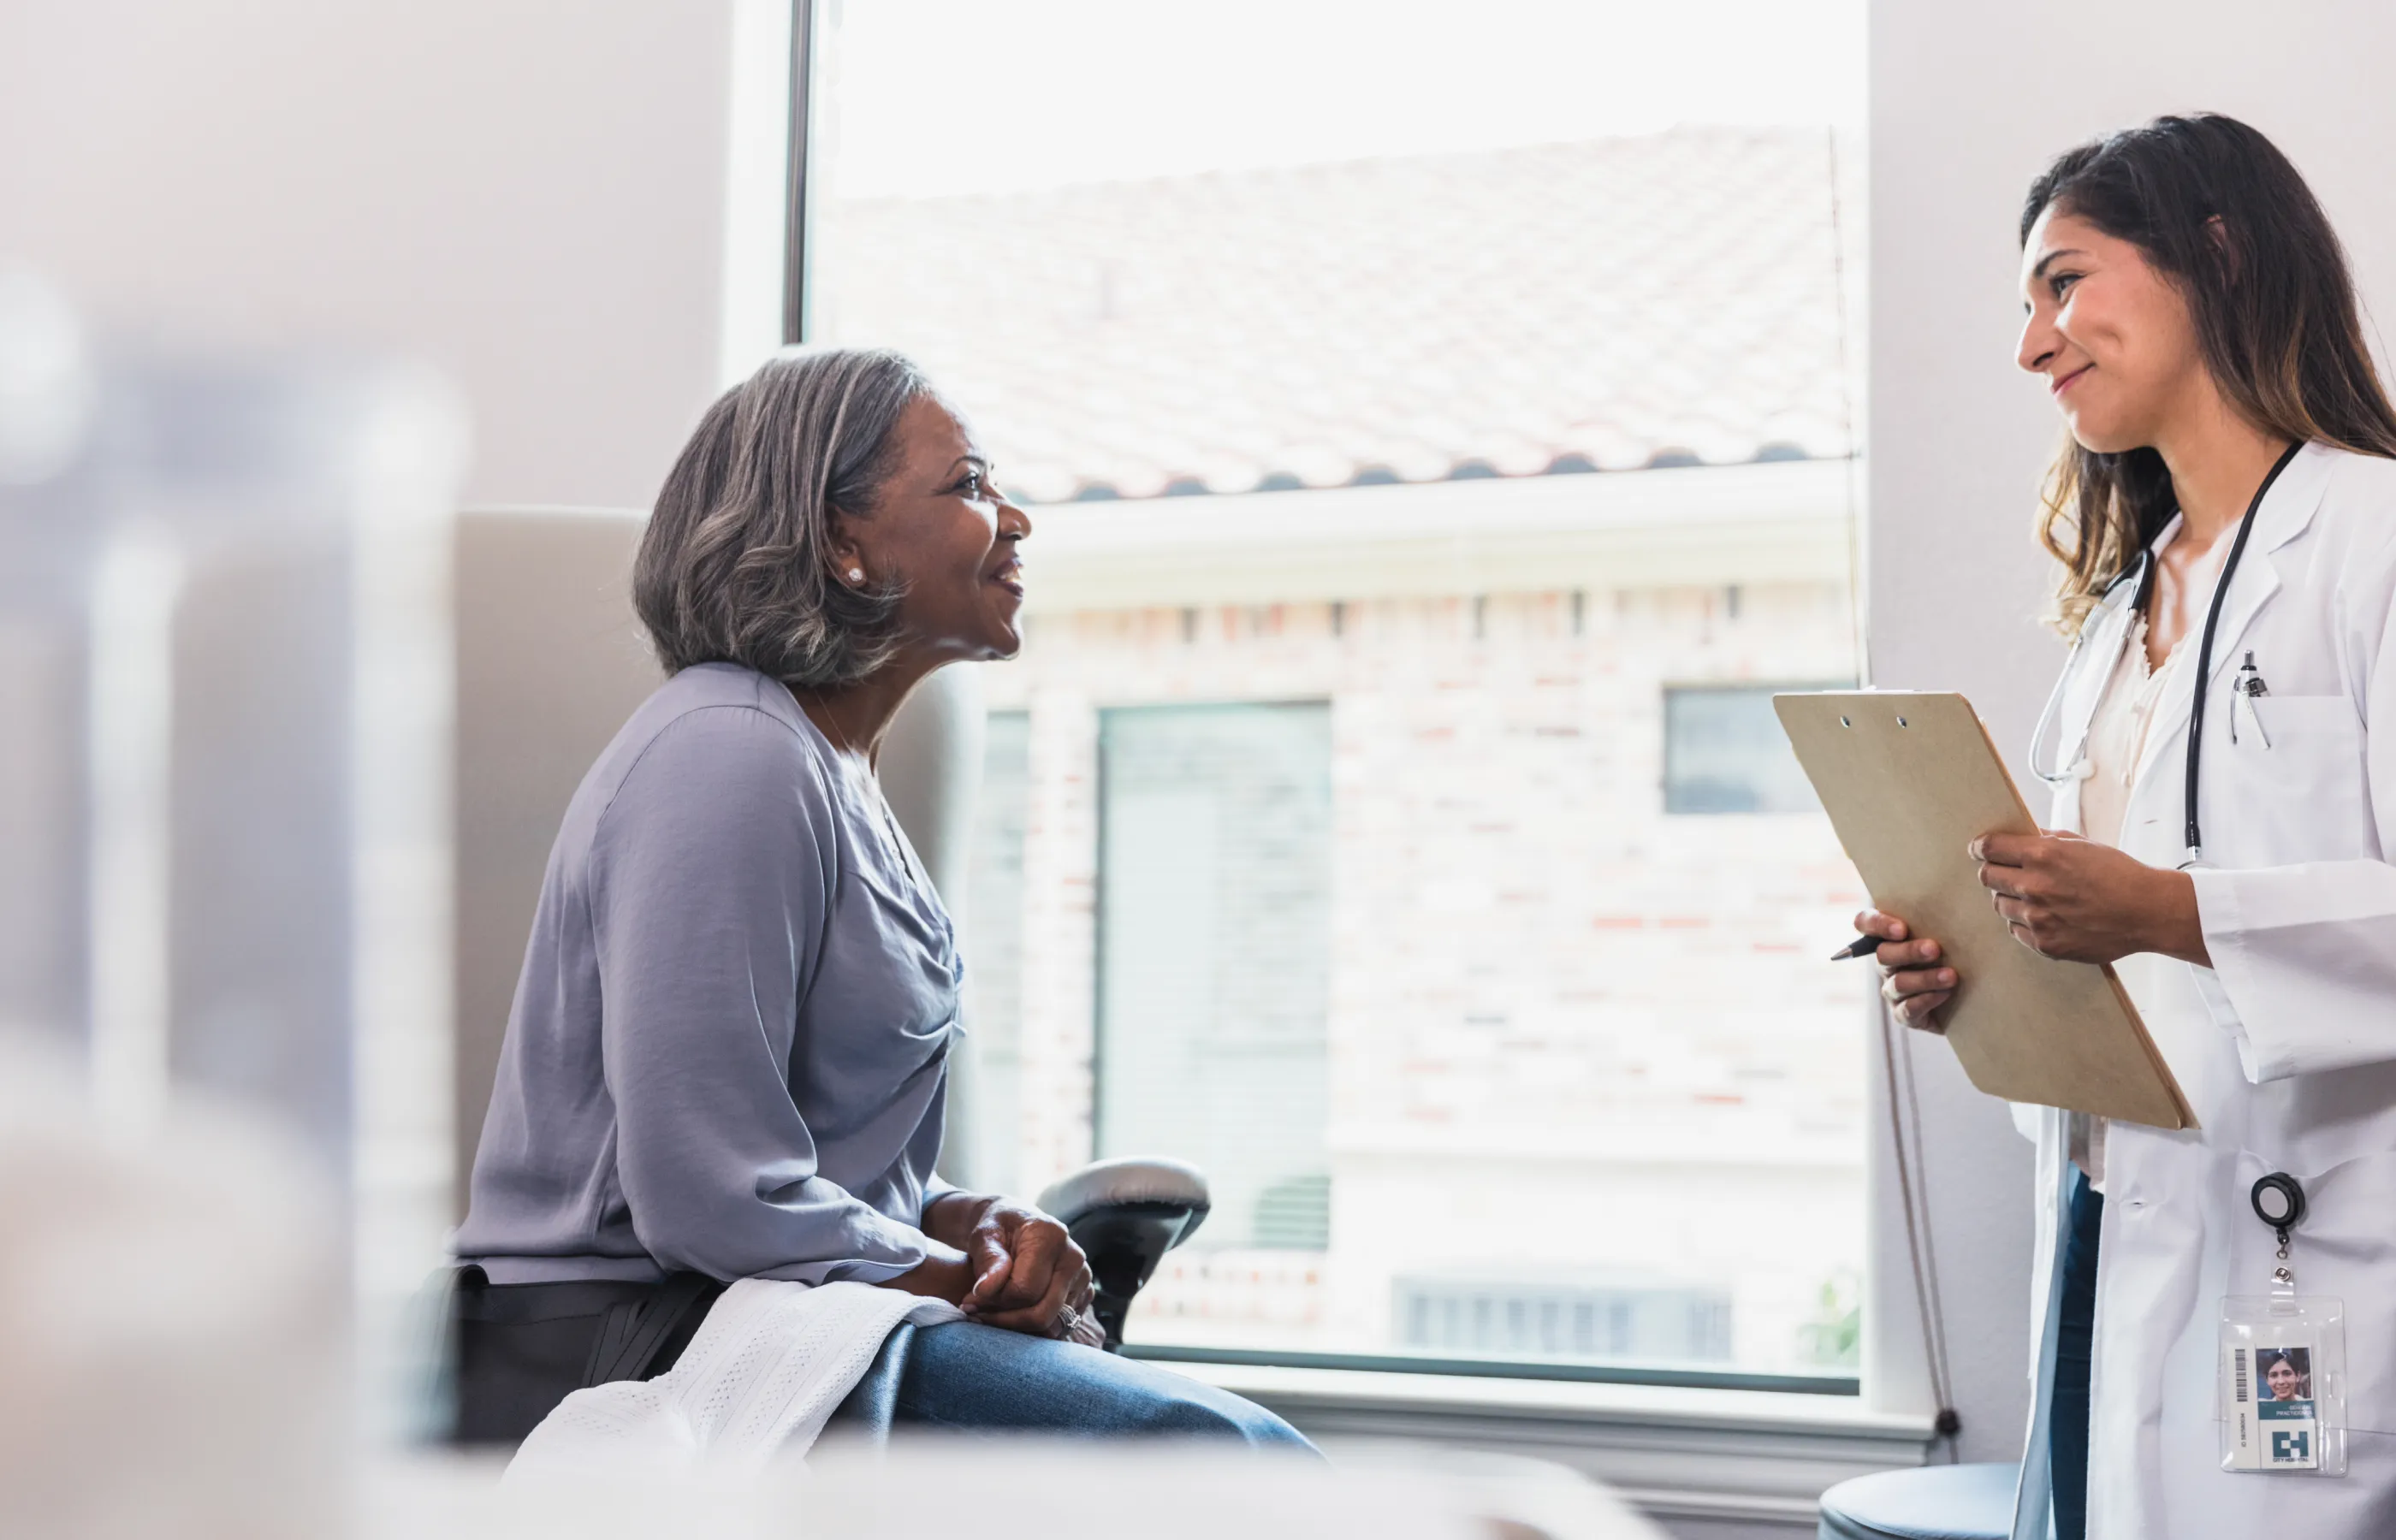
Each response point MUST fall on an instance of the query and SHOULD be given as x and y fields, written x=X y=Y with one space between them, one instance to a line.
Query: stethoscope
x=2078 y=769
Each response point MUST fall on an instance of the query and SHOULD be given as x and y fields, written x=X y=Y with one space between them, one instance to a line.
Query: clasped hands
x=1019 y=1269
x=2062 y=897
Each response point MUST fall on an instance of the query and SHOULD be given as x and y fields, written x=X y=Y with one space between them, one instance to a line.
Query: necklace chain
x=834 y=732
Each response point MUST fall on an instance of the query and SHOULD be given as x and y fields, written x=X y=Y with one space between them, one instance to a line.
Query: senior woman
x=727 y=1056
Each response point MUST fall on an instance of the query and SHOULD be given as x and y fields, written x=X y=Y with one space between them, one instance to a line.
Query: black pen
x=1862 y=946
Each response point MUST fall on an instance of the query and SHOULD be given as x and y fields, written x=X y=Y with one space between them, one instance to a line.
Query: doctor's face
x=2110 y=336
x=2282 y=1377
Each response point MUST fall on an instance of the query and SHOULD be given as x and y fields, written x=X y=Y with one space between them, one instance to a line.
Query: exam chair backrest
x=550 y=663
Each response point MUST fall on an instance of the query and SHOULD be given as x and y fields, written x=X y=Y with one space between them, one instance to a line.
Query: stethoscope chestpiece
x=2278 y=1201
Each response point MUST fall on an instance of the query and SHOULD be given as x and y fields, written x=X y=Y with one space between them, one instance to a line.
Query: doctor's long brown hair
x=2268 y=289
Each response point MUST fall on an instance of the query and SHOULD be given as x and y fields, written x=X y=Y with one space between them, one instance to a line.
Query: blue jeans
x=967 y=1376
x=2067 y=1425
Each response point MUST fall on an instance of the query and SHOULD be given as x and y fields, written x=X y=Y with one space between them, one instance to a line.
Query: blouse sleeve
x=712 y=876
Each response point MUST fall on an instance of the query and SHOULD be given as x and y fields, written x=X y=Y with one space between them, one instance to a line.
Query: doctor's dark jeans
x=2067 y=1422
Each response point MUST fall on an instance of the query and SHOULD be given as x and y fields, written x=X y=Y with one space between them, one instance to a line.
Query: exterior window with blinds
x=993 y=908
x=1725 y=752
x=1434 y=462
x=1214 y=958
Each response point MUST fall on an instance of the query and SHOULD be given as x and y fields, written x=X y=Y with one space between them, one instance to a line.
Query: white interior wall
x=1967 y=103
x=527 y=194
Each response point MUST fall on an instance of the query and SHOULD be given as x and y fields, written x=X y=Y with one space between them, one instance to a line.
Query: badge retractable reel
x=2283 y=1361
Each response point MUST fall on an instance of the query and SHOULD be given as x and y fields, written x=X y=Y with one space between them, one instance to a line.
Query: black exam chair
x=1125 y=1214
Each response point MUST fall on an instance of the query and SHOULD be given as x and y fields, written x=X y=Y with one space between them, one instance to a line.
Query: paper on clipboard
x=1910 y=780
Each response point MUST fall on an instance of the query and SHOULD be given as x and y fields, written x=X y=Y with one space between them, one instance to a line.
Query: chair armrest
x=1125 y=1214
x=1142 y=1180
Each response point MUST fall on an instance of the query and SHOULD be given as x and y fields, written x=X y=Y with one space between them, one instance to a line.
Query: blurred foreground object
x=225 y=717
x=171 y=1323
x=1156 y=1492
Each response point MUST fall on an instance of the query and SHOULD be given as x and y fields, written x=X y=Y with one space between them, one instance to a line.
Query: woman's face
x=941 y=532
x=2112 y=338
x=2281 y=1377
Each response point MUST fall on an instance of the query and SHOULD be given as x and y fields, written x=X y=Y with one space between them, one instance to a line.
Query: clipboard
x=1909 y=779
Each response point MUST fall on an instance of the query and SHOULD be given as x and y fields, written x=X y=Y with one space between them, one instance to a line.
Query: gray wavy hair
x=737 y=565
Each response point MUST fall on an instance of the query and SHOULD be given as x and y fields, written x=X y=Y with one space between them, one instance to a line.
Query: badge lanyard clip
x=2279 y=1202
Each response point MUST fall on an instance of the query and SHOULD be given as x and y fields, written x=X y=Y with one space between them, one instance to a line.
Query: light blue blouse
x=729 y=1050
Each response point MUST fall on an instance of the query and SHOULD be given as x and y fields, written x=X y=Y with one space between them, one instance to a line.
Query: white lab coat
x=2287 y=1046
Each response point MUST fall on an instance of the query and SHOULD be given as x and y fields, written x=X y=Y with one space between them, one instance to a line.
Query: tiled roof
x=1668 y=300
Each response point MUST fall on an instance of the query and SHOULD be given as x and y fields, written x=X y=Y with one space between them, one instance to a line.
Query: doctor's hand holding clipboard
x=2223 y=815
x=2062 y=896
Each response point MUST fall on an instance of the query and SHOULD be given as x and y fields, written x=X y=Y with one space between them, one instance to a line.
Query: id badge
x=2283 y=1389
x=2283 y=1385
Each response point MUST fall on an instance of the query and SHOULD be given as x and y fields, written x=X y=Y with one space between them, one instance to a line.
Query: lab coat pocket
x=2345 y=1248
x=2293 y=787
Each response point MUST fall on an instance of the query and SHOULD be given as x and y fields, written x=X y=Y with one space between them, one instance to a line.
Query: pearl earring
x=857 y=574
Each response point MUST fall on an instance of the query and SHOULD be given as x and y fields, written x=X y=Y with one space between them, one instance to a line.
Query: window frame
x=1621 y=1371
x=798 y=228
x=798 y=204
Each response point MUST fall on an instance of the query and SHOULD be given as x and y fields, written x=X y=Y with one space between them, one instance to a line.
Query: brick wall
x=1566 y=1030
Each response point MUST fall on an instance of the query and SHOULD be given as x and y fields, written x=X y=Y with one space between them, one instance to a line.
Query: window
x=1431 y=458
x=993 y=908
x=1515 y=1315
x=1724 y=752
x=1214 y=957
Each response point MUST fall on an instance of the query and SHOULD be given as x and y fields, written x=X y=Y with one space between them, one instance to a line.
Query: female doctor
x=2225 y=512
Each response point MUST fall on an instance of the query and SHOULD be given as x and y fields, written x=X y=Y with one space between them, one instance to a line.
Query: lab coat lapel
x=2092 y=669
x=2286 y=514
x=2107 y=630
